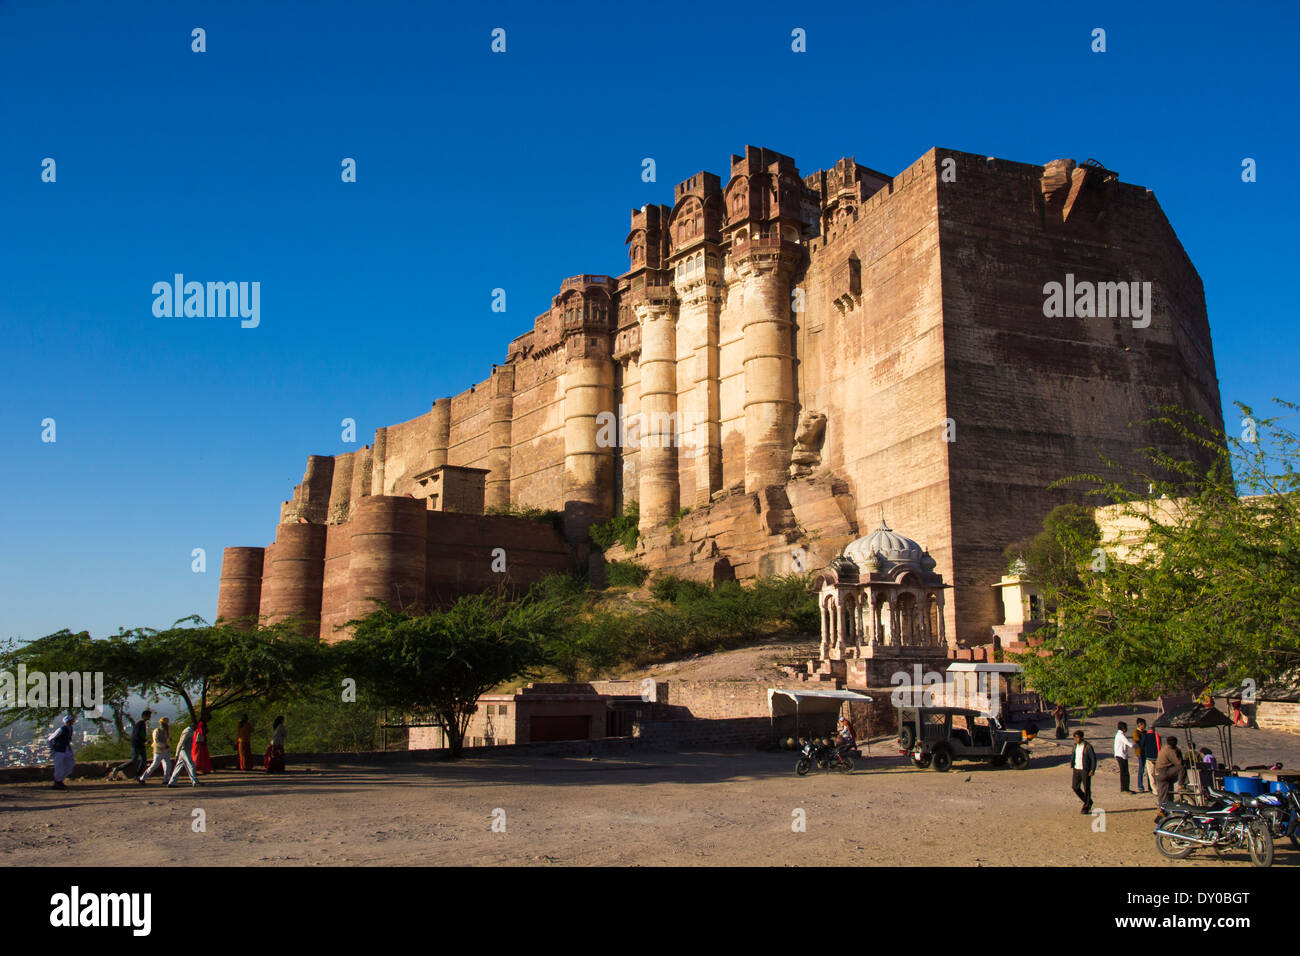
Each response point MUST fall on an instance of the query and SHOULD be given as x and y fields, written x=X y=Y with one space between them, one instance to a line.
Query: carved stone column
x=658 y=491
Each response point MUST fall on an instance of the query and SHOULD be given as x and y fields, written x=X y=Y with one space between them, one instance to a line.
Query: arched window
x=907 y=619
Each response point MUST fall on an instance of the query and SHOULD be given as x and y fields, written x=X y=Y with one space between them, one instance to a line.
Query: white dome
x=890 y=546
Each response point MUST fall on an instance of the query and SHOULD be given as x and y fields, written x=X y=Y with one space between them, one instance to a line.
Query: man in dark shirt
x=139 y=739
x=1084 y=764
x=1169 y=770
x=1144 y=745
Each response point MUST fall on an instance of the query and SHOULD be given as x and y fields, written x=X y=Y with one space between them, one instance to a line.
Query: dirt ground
x=757 y=662
x=693 y=808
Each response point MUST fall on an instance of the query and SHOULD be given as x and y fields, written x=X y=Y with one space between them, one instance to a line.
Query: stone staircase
x=831 y=674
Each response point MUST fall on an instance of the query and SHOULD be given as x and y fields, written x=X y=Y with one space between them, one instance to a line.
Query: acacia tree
x=213 y=667
x=1209 y=593
x=66 y=652
x=440 y=663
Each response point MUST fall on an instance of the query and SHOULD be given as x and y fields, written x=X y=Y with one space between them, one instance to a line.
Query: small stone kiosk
x=882 y=607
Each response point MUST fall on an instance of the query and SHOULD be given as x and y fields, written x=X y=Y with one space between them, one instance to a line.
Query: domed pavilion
x=881 y=597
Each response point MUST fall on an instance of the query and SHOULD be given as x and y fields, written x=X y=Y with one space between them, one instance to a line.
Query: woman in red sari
x=275 y=749
x=199 y=749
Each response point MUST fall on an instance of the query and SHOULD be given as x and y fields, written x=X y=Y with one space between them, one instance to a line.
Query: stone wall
x=718 y=699
x=1278 y=715
x=1037 y=399
x=873 y=361
x=391 y=549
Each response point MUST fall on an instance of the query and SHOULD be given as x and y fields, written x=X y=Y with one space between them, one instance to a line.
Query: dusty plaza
x=693 y=808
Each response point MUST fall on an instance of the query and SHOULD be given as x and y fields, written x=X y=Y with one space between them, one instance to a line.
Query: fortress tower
x=784 y=356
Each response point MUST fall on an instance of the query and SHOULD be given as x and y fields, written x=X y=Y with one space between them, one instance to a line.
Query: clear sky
x=478 y=170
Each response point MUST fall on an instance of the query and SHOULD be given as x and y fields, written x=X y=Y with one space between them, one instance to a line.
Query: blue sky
x=479 y=170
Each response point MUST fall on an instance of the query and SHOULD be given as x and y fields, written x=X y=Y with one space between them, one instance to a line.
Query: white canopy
x=782 y=702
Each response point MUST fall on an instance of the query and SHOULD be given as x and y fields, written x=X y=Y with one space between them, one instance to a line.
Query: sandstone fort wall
x=791 y=356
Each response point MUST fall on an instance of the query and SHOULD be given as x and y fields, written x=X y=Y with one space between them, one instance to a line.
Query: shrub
x=626 y=574
x=560 y=587
x=621 y=529
x=554 y=518
x=675 y=590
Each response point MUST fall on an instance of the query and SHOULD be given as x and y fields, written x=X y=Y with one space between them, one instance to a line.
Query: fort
x=802 y=355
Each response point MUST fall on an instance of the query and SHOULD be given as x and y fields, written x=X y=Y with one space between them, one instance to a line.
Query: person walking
x=139 y=741
x=185 y=758
x=244 y=743
x=61 y=749
x=1062 y=718
x=199 y=750
x=1123 y=747
x=1084 y=766
x=1169 y=770
x=162 y=749
x=275 y=749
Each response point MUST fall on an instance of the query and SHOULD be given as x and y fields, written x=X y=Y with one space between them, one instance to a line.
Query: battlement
x=582 y=281
x=701 y=184
x=760 y=159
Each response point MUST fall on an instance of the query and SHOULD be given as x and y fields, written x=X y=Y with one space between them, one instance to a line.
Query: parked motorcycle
x=823 y=756
x=1281 y=809
x=1234 y=821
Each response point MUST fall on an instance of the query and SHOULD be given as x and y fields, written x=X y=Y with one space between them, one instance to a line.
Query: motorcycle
x=823 y=756
x=1234 y=821
x=1282 y=811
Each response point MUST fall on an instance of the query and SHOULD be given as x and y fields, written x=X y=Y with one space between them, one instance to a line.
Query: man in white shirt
x=1123 y=747
x=1083 y=766
x=184 y=759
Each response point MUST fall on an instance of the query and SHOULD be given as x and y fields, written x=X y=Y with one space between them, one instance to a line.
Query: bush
x=675 y=590
x=592 y=644
x=554 y=518
x=688 y=617
x=622 y=574
x=560 y=587
x=621 y=529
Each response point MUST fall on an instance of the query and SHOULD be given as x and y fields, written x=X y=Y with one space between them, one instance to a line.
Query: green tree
x=67 y=652
x=214 y=667
x=1208 y=594
x=1051 y=557
x=440 y=663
